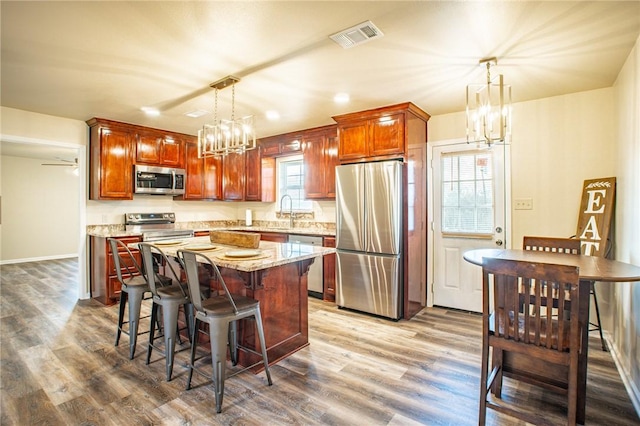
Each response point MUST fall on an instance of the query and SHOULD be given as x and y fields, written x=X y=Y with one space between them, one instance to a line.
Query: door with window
x=469 y=190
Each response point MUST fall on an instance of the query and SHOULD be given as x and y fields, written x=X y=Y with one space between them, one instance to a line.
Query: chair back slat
x=527 y=319
x=123 y=258
x=190 y=260
x=552 y=244
x=152 y=258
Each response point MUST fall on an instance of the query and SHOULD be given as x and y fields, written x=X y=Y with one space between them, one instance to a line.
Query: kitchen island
x=277 y=278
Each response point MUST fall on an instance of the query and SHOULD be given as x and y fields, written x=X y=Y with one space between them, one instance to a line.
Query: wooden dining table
x=592 y=268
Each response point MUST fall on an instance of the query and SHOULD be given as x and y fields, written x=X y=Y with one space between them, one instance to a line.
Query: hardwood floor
x=59 y=367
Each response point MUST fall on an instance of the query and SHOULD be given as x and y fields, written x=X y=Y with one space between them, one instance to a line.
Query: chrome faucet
x=291 y=214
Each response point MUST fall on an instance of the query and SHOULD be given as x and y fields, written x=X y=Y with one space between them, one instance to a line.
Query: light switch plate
x=523 y=204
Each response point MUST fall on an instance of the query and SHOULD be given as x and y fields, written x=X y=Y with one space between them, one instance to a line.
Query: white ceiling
x=108 y=59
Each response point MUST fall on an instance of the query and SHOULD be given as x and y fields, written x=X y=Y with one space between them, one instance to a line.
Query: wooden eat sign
x=596 y=213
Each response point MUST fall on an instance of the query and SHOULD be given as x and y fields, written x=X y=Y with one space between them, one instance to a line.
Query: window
x=467 y=193
x=291 y=182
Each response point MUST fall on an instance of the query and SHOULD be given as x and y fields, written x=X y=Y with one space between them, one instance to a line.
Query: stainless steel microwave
x=159 y=180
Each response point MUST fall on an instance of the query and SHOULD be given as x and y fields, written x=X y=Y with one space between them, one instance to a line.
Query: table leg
x=585 y=287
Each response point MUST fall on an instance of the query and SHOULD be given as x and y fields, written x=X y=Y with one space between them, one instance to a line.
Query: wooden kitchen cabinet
x=204 y=175
x=159 y=149
x=105 y=286
x=381 y=133
x=320 y=157
x=276 y=237
x=111 y=160
x=115 y=147
x=233 y=177
x=282 y=145
x=329 y=271
x=253 y=175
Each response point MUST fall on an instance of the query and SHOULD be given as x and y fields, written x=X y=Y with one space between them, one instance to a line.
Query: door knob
x=498 y=242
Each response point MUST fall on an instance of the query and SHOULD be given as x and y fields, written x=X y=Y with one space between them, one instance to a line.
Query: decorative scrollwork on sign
x=605 y=184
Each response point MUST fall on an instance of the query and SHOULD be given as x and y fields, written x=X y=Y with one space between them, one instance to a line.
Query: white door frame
x=507 y=203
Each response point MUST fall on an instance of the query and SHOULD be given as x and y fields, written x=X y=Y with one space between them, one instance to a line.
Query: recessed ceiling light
x=150 y=111
x=341 y=98
x=197 y=113
x=272 y=115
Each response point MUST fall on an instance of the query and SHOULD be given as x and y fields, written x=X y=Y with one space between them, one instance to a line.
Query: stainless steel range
x=155 y=226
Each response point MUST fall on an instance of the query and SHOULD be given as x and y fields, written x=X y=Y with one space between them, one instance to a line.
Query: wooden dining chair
x=530 y=345
x=570 y=246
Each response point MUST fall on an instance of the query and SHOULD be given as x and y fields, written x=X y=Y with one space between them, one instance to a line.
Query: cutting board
x=235 y=238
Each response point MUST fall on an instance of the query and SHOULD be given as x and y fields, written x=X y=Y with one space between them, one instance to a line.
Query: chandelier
x=226 y=136
x=489 y=109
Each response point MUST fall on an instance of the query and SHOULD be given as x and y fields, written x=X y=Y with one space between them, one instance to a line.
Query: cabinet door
x=212 y=178
x=270 y=147
x=353 y=140
x=291 y=145
x=233 y=177
x=329 y=271
x=115 y=165
x=171 y=152
x=387 y=135
x=331 y=161
x=148 y=148
x=313 y=156
x=253 y=172
x=274 y=236
x=194 y=167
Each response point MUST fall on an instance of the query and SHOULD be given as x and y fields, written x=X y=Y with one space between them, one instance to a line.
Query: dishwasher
x=315 y=279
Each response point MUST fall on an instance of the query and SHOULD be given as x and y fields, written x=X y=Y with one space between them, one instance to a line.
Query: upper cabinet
x=204 y=175
x=116 y=147
x=281 y=145
x=233 y=177
x=253 y=173
x=159 y=149
x=111 y=155
x=381 y=133
x=320 y=158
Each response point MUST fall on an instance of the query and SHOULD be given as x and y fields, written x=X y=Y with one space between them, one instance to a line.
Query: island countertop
x=268 y=255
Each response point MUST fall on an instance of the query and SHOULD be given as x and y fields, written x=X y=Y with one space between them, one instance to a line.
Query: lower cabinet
x=105 y=286
x=275 y=237
x=329 y=267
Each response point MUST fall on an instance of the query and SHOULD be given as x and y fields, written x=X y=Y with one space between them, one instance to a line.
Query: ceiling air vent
x=356 y=35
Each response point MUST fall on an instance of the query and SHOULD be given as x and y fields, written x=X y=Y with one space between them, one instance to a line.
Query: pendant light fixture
x=489 y=109
x=226 y=136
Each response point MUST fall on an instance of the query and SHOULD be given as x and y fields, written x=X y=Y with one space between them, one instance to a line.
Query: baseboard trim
x=38 y=259
x=632 y=389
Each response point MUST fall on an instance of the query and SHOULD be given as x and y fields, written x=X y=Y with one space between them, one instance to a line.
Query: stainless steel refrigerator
x=369 y=237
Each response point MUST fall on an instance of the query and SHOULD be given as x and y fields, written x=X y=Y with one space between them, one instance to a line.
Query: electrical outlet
x=523 y=204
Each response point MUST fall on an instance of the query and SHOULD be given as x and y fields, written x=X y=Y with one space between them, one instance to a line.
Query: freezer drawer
x=369 y=283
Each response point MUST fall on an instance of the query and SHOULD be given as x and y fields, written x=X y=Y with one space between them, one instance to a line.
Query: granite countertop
x=304 y=228
x=268 y=255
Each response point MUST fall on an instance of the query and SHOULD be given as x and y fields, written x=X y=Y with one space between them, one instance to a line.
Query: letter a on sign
x=596 y=213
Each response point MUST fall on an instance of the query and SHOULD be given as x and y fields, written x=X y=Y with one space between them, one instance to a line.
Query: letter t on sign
x=596 y=214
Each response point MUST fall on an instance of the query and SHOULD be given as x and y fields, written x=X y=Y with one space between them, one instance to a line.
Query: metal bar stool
x=133 y=288
x=169 y=293
x=221 y=312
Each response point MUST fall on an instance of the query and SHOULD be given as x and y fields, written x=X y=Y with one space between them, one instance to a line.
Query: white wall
x=557 y=144
x=40 y=211
x=626 y=296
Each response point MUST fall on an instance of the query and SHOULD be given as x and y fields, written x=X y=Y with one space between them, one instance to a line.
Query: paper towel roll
x=248 y=217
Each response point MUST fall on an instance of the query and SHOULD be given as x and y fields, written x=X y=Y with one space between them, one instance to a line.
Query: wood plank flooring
x=59 y=367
